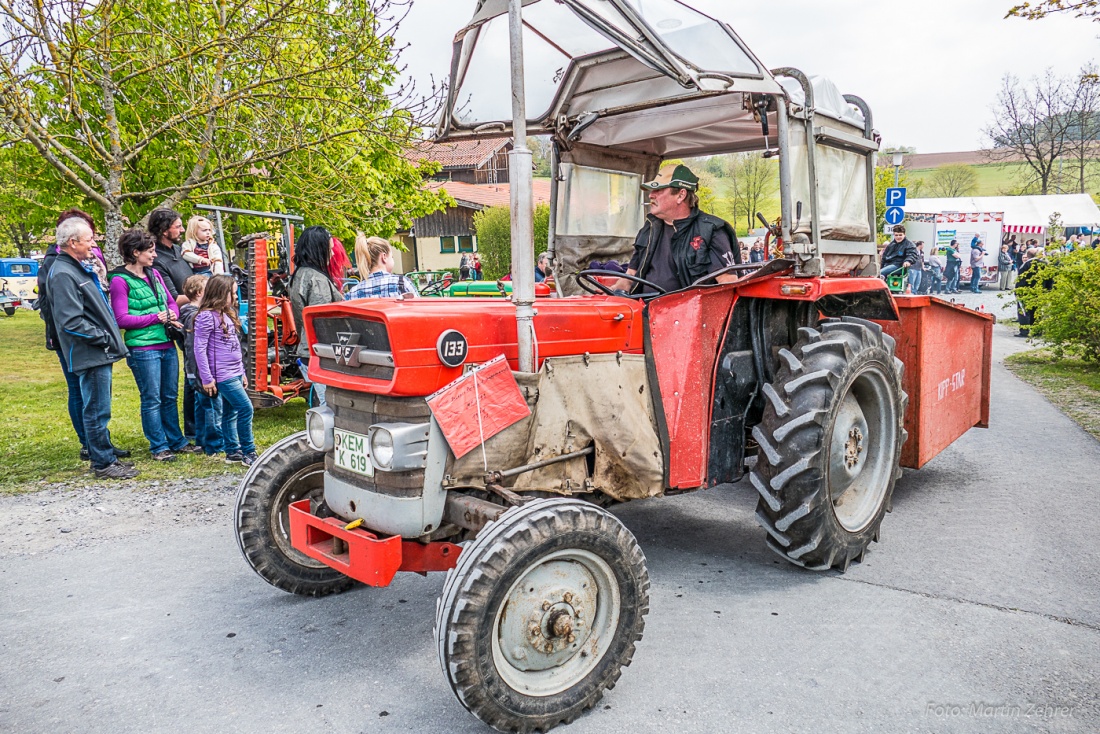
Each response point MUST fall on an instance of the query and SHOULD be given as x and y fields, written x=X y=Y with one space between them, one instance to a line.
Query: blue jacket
x=87 y=334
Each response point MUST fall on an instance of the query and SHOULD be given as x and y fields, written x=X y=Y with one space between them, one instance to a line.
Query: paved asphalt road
x=978 y=612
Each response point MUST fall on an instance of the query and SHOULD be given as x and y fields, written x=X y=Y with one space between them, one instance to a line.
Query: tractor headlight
x=381 y=448
x=320 y=422
x=399 y=446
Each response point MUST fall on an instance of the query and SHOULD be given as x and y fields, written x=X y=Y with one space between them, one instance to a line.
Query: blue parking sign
x=895 y=214
x=895 y=197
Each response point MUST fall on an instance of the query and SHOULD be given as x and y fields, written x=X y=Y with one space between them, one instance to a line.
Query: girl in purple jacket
x=221 y=366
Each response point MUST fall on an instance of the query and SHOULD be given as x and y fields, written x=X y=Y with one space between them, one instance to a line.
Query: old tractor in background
x=262 y=266
x=489 y=439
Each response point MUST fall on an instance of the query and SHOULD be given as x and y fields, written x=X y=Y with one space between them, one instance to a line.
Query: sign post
x=895 y=205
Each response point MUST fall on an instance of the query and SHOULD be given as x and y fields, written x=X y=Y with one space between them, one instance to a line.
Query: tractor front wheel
x=541 y=614
x=830 y=443
x=287 y=472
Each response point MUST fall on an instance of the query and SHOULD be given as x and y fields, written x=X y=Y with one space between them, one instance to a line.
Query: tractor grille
x=358 y=411
x=372 y=335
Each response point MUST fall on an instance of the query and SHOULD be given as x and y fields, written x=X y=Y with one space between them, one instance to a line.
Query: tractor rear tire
x=830 y=443
x=541 y=614
x=287 y=472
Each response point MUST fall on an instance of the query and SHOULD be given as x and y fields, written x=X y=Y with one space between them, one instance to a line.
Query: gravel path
x=73 y=515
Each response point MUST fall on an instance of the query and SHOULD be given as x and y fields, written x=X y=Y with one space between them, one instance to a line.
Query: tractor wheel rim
x=556 y=622
x=309 y=484
x=861 y=450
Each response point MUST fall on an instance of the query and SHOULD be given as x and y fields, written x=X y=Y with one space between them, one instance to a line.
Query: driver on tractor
x=679 y=244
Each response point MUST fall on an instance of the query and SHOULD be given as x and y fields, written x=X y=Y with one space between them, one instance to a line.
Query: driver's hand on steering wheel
x=621 y=292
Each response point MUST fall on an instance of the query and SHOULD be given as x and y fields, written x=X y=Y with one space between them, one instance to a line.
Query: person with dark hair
x=679 y=243
x=72 y=381
x=89 y=341
x=311 y=285
x=953 y=267
x=901 y=253
x=144 y=309
x=166 y=227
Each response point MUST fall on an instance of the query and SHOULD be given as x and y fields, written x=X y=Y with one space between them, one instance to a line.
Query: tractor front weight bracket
x=362 y=555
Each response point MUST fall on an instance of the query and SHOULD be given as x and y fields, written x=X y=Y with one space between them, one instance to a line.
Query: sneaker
x=234 y=458
x=116 y=470
x=250 y=458
x=165 y=455
x=121 y=453
x=189 y=449
x=84 y=455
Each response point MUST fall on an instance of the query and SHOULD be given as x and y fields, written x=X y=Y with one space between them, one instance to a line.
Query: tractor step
x=362 y=555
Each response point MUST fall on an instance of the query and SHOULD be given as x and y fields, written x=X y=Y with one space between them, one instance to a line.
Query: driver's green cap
x=679 y=177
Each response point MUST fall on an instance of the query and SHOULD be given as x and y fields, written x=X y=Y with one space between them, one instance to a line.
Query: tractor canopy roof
x=651 y=77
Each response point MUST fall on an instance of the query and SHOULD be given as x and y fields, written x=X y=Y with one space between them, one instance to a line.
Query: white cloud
x=929 y=70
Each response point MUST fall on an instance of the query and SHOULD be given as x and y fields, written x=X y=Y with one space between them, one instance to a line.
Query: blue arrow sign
x=894 y=214
x=895 y=197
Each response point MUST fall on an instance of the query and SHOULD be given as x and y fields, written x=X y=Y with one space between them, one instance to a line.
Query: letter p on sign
x=895 y=197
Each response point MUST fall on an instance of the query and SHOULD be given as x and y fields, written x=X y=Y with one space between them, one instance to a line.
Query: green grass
x=996 y=179
x=1071 y=384
x=38 y=443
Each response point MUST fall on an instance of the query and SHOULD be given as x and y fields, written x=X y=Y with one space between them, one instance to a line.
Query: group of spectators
x=469 y=266
x=170 y=295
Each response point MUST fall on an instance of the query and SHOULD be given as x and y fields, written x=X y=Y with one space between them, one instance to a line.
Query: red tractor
x=489 y=440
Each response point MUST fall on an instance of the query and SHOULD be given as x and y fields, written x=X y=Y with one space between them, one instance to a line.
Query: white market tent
x=1021 y=213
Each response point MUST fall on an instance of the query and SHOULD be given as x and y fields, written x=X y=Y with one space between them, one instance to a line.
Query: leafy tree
x=1067 y=315
x=754 y=180
x=282 y=105
x=884 y=179
x=540 y=156
x=493 y=227
x=957 y=179
x=1089 y=9
x=29 y=197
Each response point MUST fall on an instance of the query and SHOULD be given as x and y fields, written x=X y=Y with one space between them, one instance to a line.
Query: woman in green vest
x=145 y=310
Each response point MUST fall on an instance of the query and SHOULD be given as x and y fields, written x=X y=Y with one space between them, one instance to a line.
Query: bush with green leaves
x=1067 y=315
x=493 y=227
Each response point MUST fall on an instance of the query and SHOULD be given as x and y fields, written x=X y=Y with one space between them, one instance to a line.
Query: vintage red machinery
x=793 y=375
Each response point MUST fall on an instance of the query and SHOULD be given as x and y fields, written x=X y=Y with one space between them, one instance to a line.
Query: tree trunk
x=111 y=235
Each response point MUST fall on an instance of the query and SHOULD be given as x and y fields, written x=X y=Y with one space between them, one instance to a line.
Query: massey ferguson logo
x=347 y=350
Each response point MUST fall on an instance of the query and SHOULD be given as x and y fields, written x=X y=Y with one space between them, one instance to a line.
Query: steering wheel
x=728 y=269
x=589 y=284
x=436 y=287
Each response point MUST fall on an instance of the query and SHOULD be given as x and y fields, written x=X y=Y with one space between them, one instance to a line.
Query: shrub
x=493 y=227
x=1067 y=315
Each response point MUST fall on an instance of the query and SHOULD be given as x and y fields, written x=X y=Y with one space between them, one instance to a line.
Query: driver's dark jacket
x=87 y=333
x=899 y=253
x=690 y=263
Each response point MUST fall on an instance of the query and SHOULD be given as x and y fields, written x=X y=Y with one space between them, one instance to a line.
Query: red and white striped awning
x=1024 y=228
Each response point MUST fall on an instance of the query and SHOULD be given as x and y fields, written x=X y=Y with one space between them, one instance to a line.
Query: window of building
x=465 y=244
x=446 y=244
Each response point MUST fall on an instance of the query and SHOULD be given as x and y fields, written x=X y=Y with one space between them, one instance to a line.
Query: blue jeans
x=236 y=417
x=914 y=279
x=887 y=270
x=976 y=278
x=208 y=421
x=95 y=392
x=157 y=374
x=76 y=401
x=951 y=275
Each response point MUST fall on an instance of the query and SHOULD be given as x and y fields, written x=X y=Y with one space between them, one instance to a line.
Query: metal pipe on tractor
x=487 y=439
x=522 y=199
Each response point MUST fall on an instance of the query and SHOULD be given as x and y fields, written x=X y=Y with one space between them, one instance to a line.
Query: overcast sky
x=930 y=70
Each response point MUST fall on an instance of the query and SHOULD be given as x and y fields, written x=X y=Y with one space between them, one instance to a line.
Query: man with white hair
x=89 y=339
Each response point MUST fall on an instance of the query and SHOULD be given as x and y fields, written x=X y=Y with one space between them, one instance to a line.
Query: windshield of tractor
x=599 y=202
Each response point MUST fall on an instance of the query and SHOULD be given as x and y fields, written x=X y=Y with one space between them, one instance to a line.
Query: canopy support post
x=521 y=199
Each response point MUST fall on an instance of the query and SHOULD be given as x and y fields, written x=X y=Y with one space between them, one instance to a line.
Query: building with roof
x=467 y=161
x=441 y=238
